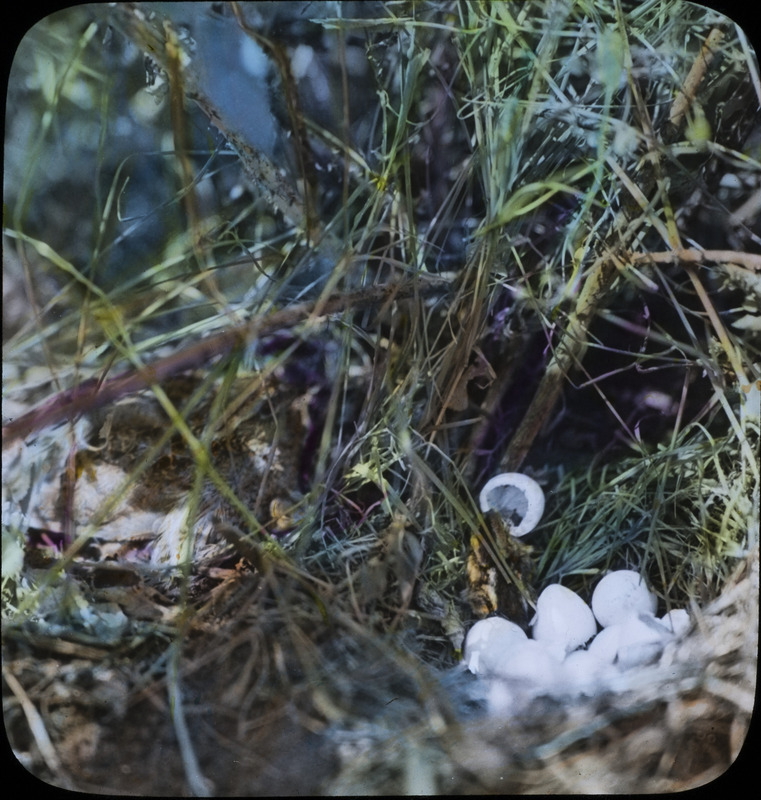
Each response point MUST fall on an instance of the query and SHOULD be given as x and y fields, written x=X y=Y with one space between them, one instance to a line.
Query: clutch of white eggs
x=566 y=655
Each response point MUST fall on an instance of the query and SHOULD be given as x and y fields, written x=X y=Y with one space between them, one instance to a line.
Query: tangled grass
x=530 y=244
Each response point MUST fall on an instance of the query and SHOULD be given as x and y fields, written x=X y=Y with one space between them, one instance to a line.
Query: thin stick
x=94 y=393
x=198 y=783
x=750 y=261
x=695 y=77
x=37 y=729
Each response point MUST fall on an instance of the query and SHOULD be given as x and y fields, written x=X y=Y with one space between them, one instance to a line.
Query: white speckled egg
x=489 y=643
x=563 y=620
x=621 y=594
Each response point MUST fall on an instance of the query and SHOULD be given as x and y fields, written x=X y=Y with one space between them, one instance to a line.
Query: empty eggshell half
x=518 y=499
x=489 y=643
x=563 y=620
x=621 y=594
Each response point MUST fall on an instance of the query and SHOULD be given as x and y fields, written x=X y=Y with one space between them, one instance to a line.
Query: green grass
x=559 y=142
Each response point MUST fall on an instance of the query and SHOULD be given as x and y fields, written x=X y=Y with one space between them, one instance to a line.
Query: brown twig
x=686 y=96
x=303 y=148
x=93 y=393
x=750 y=261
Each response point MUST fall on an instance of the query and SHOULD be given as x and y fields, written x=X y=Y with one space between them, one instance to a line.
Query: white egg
x=489 y=643
x=635 y=641
x=621 y=594
x=563 y=620
x=677 y=621
x=642 y=641
x=517 y=498
x=531 y=663
x=583 y=673
x=604 y=646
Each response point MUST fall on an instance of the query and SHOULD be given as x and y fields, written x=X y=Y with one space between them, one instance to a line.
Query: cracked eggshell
x=517 y=498
x=621 y=594
x=563 y=620
x=489 y=643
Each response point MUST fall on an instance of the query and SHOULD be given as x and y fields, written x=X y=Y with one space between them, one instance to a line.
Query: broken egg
x=518 y=499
